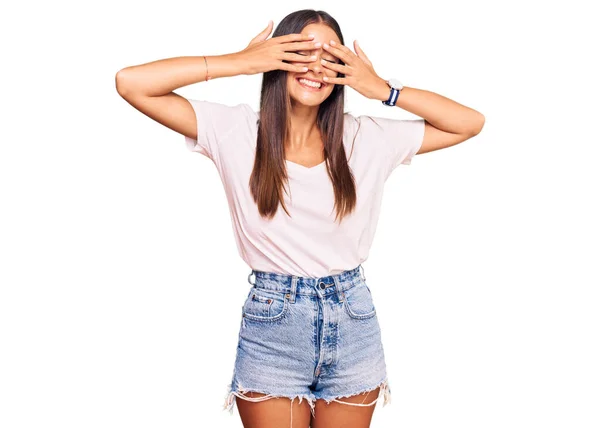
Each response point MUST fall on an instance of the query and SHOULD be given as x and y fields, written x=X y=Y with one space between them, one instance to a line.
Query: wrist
x=383 y=90
x=226 y=65
x=239 y=64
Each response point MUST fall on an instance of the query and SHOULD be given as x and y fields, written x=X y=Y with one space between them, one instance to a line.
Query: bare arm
x=149 y=87
x=447 y=122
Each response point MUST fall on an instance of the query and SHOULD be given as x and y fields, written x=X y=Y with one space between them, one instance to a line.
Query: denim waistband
x=293 y=284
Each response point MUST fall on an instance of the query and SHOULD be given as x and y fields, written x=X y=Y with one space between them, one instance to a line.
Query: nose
x=315 y=65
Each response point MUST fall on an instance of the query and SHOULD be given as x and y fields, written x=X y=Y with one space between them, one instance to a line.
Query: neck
x=303 y=126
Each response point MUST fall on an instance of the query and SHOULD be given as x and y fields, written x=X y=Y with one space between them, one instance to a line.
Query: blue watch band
x=391 y=101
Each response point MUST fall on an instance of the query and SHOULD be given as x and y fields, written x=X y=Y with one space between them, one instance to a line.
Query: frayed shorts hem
x=384 y=391
x=239 y=392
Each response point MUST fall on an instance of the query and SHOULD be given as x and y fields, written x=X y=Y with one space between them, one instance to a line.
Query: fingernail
x=326 y=45
x=317 y=44
x=333 y=43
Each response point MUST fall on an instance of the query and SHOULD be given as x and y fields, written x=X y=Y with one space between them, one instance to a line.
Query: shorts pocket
x=264 y=305
x=359 y=302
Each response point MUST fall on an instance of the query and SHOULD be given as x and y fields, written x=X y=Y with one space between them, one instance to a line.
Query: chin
x=306 y=102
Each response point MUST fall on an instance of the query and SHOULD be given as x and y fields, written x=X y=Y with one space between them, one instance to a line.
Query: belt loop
x=338 y=287
x=292 y=294
x=249 y=275
x=363 y=272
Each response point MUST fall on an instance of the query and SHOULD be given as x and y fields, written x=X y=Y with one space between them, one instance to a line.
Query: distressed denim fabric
x=309 y=338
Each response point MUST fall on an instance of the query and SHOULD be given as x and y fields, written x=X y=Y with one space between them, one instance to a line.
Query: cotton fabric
x=310 y=243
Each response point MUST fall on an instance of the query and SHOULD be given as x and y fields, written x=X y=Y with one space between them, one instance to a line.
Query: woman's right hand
x=263 y=55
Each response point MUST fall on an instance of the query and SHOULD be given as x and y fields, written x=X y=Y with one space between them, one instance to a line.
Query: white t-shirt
x=309 y=243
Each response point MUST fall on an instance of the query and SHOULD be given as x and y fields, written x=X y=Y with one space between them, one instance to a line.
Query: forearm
x=163 y=76
x=441 y=112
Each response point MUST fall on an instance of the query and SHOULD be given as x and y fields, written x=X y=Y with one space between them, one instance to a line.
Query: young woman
x=304 y=182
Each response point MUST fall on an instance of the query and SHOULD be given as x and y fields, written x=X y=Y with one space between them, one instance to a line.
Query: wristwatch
x=395 y=88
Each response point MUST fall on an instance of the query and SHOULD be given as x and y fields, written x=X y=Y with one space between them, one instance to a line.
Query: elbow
x=479 y=126
x=121 y=82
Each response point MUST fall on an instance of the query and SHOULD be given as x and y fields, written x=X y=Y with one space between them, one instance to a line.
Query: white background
x=121 y=286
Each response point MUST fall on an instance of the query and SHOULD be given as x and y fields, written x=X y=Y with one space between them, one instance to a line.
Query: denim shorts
x=312 y=338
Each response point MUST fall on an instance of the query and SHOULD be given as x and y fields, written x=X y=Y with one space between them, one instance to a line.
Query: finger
x=336 y=80
x=293 y=68
x=361 y=54
x=293 y=37
x=339 y=52
x=263 y=34
x=340 y=68
x=298 y=57
x=299 y=46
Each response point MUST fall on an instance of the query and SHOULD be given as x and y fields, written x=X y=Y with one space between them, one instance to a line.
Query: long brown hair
x=270 y=172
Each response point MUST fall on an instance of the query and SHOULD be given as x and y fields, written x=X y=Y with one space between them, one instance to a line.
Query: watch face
x=395 y=83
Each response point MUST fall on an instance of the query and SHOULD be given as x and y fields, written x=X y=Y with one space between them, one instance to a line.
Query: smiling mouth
x=312 y=86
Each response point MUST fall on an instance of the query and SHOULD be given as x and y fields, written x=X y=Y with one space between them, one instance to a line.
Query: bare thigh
x=277 y=412
x=338 y=415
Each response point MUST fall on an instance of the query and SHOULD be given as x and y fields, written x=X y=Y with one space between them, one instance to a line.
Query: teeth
x=310 y=83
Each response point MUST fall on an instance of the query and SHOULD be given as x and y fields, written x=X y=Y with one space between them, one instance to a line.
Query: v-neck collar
x=304 y=168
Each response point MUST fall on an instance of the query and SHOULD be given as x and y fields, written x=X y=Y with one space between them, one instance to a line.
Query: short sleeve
x=215 y=121
x=398 y=139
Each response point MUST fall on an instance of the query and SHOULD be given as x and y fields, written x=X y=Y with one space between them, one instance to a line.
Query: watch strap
x=391 y=101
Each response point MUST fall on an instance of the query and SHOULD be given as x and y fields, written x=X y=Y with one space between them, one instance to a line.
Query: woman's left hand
x=358 y=71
